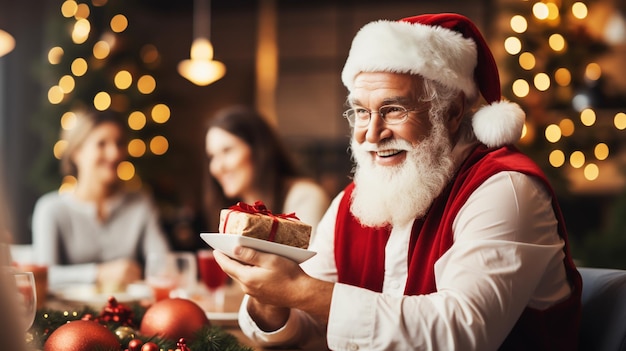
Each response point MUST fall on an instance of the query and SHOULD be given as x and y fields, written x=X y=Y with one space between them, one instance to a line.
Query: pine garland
x=209 y=338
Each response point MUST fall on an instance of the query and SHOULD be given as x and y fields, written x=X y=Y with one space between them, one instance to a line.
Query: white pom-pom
x=499 y=123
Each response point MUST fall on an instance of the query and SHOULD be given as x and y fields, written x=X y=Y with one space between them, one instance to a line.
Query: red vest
x=360 y=255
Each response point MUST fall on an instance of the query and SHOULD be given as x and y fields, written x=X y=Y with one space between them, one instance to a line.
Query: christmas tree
x=95 y=62
x=575 y=122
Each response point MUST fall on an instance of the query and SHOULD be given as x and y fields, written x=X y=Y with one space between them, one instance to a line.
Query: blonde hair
x=76 y=136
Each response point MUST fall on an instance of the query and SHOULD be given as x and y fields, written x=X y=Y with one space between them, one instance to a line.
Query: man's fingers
x=246 y=255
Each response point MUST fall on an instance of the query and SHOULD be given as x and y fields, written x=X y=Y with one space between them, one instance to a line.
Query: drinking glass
x=26 y=298
x=213 y=277
x=171 y=274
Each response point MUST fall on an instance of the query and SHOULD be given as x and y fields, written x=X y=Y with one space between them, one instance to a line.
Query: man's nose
x=376 y=129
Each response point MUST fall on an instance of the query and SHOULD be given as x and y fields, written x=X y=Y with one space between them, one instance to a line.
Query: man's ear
x=456 y=112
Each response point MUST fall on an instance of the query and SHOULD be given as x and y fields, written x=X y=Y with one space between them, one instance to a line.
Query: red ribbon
x=260 y=209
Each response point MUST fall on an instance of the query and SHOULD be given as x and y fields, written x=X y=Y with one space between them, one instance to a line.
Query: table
x=232 y=301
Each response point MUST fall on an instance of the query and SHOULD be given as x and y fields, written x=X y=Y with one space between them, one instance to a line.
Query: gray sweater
x=71 y=240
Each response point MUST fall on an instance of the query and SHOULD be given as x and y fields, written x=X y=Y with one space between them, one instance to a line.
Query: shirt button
x=354 y=347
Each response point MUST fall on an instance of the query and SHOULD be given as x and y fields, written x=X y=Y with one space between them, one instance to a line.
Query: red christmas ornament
x=173 y=318
x=135 y=345
x=82 y=335
x=150 y=346
x=117 y=313
x=181 y=345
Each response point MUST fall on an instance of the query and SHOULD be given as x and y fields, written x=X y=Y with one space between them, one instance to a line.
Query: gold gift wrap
x=290 y=232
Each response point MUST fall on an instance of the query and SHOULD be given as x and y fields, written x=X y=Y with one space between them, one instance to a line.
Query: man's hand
x=276 y=284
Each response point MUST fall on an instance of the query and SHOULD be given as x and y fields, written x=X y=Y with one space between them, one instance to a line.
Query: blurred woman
x=99 y=232
x=247 y=162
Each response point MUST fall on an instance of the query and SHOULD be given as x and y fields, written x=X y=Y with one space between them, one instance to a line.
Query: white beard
x=397 y=195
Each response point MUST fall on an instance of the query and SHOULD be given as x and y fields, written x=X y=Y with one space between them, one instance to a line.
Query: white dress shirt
x=506 y=256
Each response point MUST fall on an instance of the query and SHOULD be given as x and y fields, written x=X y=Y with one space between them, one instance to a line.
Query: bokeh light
x=563 y=77
x=69 y=8
x=119 y=23
x=149 y=54
x=512 y=45
x=68 y=184
x=519 y=24
x=567 y=127
x=579 y=10
x=527 y=61
x=521 y=88
x=68 y=120
x=125 y=170
x=55 y=55
x=67 y=84
x=601 y=151
x=82 y=11
x=593 y=71
x=102 y=101
x=79 y=67
x=160 y=113
x=55 y=95
x=146 y=84
x=577 y=159
x=553 y=11
x=553 y=133
x=540 y=10
x=137 y=120
x=588 y=117
x=556 y=42
x=557 y=158
x=123 y=79
x=59 y=148
x=591 y=172
x=159 y=145
x=101 y=50
x=542 y=81
x=82 y=27
x=620 y=120
x=136 y=148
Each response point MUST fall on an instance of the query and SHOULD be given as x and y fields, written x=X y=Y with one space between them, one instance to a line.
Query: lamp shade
x=7 y=43
x=201 y=69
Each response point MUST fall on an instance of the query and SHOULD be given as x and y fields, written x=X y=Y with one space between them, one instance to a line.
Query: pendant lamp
x=201 y=69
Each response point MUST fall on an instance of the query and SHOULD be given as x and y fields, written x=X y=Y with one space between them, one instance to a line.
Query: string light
x=539 y=76
x=112 y=94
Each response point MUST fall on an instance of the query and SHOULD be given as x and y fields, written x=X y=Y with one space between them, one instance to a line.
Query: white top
x=307 y=200
x=69 y=237
x=506 y=255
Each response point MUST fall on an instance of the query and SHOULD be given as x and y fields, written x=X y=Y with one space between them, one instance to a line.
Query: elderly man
x=448 y=239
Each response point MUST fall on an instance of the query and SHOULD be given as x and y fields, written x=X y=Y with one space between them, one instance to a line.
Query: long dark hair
x=272 y=164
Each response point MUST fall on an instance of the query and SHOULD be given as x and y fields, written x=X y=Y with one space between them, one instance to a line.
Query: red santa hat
x=447 y=48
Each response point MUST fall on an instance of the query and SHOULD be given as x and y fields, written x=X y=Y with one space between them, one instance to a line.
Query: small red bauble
x=135 y=345
x=150 y=346
x=82 y=335
x=173 y=318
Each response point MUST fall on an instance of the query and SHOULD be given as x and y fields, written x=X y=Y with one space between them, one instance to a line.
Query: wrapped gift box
x=256 y=221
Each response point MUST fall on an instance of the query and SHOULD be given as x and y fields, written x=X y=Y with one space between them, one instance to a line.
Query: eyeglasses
x=390 y=114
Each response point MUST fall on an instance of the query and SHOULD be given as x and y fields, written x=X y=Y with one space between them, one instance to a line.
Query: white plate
x=89 y=294
x=227 y=242
x=222 y=316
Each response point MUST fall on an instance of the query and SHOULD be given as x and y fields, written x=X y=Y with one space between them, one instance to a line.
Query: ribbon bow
x=260 y=209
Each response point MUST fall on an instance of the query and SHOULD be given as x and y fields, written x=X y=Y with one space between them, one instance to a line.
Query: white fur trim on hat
x=499 y=123
x=444 y=55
